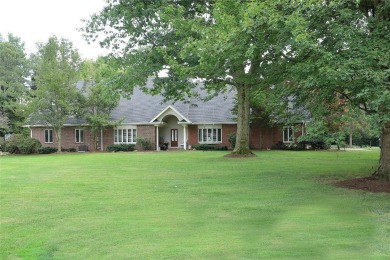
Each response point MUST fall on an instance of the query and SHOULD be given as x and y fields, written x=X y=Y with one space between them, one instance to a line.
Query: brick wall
x=39 y=134
x=266 y=137
x=192 y=135
x=68 y=137
x=108 y=137
x=260 y=137
x=226 y=130
x=147 y=132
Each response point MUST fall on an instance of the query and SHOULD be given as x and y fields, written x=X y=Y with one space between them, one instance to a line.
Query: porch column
x=185 y=137
x=157 y=138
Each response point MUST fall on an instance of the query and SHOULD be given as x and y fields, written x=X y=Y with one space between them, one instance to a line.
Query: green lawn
x=190 y=205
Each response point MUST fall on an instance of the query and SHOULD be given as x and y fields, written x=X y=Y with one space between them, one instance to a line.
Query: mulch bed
x=369 y=184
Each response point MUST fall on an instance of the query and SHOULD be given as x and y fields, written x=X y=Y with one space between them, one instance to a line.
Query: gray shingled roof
x=141 y=108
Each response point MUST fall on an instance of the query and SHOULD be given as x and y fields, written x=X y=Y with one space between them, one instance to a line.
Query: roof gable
x=170 y=110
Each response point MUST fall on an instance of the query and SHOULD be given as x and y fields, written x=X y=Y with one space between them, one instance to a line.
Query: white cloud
x=36 y=20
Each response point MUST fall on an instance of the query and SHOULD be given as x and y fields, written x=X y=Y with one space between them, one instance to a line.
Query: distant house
x=178 y=125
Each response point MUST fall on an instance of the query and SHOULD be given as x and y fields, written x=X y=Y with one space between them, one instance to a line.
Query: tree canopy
x=340 y=55
x=324 y=51
x=56 y=97
x=14 y=69
x=227 y=44
x=99 y=97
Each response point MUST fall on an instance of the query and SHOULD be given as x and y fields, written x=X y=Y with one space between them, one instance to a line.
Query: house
x=178 y=125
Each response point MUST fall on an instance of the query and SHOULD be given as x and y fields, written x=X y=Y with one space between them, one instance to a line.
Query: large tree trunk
x=243 y=113
x=383 y=171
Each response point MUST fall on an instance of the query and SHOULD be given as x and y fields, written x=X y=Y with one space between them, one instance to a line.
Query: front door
x=174 y=137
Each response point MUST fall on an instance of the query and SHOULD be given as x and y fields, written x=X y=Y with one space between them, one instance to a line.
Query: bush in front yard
x=121 y=148
x=47 y=150
x=232 y=139
x=29 y=145
x=19 y=143
x=145 y=143
x=208 y=147
x=70 y=150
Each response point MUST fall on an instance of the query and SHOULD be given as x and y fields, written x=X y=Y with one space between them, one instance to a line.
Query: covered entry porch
x=171 y=129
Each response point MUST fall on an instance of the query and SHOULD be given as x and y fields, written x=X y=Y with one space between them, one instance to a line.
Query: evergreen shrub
x=19 y=143
x=121 y=148
x=208 y=147
x=144 y=143
x=47 y=150
x=232 y=139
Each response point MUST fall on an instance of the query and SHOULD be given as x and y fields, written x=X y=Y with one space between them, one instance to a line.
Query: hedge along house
x=166 y=125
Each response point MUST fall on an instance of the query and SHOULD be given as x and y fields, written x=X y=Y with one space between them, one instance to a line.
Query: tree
x=359 y=126
x=341 y=52
x=14 y=69
x=226 y=43
x=101 y=99
x=56 y=96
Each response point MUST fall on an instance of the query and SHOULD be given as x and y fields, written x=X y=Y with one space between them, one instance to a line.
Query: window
x=288 y=134
x=79 y=136
x=210 y=134
x=125 y=135
x=48 y=135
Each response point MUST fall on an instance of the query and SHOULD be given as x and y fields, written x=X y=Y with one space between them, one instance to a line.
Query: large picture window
x=125 y=135
x=79 y=136
x=288 y=134
x=48 y=135
x=210 y=134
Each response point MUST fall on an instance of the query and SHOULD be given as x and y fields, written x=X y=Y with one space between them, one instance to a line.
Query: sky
x=36 y=20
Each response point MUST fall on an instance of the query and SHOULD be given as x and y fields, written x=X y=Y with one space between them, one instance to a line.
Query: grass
x=190 y=205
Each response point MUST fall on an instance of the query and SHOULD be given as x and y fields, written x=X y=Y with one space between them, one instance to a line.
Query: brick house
x=180 y=125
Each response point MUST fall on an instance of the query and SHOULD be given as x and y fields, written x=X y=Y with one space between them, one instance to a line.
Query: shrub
x=278 y=146
x=71 y=150
x=318 y=145
x=144 y=143
x=121 y=148
x=208 y=147
x=47 y=150
x=300 y=146
x=29 y=145
x=288 y=147
x=19 y=143
x=232 y=140
x=11 y=148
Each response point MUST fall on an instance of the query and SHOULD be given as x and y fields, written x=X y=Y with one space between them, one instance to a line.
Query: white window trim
x=120 y=129
x=50 y=136
x=75 y=136
x=210 y=138
x=289 y=139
